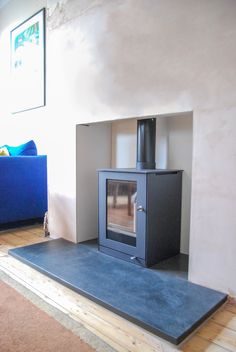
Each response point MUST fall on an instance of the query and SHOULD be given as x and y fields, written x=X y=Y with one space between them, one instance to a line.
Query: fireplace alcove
x=117 y=149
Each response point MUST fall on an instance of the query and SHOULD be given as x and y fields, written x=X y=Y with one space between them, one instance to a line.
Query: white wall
x=51 y=127
x=108 y=60
x=93 y=152
x=180 y=141
x=162 y=140
x=124 y=143
x=213 y=224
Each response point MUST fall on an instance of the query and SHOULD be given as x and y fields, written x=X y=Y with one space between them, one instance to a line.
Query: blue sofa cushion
x=28 y=148
x=23 y=188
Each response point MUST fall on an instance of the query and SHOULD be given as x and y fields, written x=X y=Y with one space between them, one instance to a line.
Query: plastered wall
x=127 y=58
x=93 y=152
x=180 y=141
x=51 y=127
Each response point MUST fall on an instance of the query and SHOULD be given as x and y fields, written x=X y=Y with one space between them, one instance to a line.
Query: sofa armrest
x=23 y=187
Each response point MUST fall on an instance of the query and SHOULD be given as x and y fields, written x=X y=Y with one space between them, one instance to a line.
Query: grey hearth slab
x=169 y=307
x=176 y=266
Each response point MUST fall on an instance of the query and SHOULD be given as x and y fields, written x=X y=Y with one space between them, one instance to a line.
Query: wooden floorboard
x=218 y=334
x=231 y=306
x=198 y=344
x=225 y=318
x=21 y=237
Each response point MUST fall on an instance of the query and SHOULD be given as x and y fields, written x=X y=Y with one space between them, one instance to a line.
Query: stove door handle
x=140 y=208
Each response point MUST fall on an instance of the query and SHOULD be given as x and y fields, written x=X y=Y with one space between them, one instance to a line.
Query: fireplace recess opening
x=140 y=209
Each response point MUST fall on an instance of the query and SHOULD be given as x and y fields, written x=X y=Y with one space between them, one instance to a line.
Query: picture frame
x=28 y=73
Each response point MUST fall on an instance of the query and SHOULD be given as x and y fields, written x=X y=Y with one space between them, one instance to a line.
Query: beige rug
x=26 y=328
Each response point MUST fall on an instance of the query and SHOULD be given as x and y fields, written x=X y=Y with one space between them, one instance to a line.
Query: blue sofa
x=23 y=189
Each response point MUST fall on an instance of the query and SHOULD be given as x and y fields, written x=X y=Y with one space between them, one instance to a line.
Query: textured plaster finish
x=128 y=58
x=213 y=235
x=93 y=152
x=145 y=57
x=180 y=132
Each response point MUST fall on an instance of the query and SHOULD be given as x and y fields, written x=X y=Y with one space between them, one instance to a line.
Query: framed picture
x=28 y=64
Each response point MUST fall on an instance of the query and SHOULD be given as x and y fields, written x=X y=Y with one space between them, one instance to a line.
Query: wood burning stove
x=140 y=209
x=140 y=214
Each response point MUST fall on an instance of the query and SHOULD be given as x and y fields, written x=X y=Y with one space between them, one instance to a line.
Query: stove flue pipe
x=146 y=144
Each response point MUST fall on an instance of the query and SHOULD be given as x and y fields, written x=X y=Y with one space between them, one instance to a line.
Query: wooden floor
x=218 y=334
x=21 y=237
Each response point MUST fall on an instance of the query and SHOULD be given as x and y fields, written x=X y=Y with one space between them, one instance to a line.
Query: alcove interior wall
x=113 y=144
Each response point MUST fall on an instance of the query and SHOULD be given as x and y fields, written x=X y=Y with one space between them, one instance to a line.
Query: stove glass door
x=121 y=211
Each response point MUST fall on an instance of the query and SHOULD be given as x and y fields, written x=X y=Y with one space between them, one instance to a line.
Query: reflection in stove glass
x=121 y=211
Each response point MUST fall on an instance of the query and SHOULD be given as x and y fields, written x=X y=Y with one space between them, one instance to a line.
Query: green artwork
x=28 y=63
x=29 y=37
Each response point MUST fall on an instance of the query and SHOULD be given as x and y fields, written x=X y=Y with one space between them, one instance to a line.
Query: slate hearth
x=168 y=306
